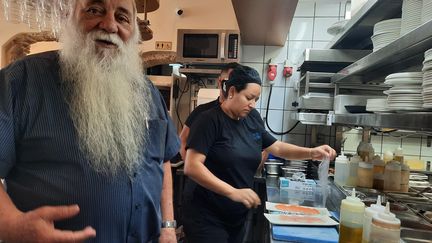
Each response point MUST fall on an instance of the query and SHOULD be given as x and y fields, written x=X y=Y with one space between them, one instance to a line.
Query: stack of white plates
x=411 y=18
x=377 y=105
x=427 y=79
x=426 y=11
x=406 y=93
x=386 y=32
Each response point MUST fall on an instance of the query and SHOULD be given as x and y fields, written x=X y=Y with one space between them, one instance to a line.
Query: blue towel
x=305 y=234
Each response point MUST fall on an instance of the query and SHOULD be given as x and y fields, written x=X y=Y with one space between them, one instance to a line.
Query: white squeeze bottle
x=367 y=219
x=351 y=219
x=353 y=166
x=341 y=170
x=385 y=227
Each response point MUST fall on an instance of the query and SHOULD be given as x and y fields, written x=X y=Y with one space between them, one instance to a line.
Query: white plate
x=405 y=75
x=281 y=219
x=296 y=209
x=403 y=81
x=403 y=91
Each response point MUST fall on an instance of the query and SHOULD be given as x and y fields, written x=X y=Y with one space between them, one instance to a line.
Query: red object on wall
x=287 y=72
x=272 y=72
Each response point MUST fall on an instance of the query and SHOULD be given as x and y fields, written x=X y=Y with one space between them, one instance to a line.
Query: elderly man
x=84 y=136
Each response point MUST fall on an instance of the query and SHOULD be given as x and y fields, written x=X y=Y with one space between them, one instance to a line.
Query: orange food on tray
x=300 y=219
x=297 y=209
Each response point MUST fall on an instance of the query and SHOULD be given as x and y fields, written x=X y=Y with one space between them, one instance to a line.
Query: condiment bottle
x=341 y=170
x=378 y=173
x=392 y=176
x=398 y=155
x=367 y=219
x=365 y=175
x=405 y=173
x=351 y=219
x=353 y=165
x=388 y=156
x=385 y=227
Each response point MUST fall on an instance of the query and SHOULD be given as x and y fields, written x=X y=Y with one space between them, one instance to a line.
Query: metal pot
x=289 y=171
x=273 y=168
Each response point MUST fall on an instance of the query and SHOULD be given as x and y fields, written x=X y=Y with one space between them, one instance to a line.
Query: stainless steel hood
x=264 y=22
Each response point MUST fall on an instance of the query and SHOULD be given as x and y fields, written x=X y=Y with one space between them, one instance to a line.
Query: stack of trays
x=385 y=32
x=426 y=13
x=377 y=105
x=406 y=93
x=411 y=18
x=427 y=79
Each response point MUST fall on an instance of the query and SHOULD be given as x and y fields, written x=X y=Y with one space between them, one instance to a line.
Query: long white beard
x=108 y=99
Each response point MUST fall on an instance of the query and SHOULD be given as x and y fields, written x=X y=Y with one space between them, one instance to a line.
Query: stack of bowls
x=427 y=79
x=406 y=91
x=426 y=13
x=385 y=32
x=411 y=18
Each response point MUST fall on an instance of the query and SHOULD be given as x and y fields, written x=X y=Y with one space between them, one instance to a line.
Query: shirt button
x=137 y=206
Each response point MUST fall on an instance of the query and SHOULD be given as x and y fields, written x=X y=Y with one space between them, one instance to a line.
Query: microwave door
x=222 y=46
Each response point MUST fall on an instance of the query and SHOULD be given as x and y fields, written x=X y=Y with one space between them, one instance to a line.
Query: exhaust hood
x=264 y=22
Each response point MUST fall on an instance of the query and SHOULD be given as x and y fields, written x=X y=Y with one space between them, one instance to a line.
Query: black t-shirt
x=199 y=109
x=233 y=153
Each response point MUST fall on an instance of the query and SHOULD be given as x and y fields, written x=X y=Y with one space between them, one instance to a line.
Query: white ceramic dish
x=281 y=219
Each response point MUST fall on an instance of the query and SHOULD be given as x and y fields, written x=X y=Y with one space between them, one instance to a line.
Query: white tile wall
x=305 y=9
x=425 y=150
x=327 y=9
x=391 y=143
x=411 y=146
x=320 y=28
x=301 y=29
x=277 y=54
x=252 y=54
x=296 y=49
x=277 y=97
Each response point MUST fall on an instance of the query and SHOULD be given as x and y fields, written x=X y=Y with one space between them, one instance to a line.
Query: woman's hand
x=321 y=152
x=246 y=196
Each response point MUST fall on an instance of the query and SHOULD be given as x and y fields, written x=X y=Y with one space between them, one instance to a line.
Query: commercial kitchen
x=353 y=74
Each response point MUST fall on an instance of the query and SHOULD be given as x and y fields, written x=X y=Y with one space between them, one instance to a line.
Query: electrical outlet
x=163 y=45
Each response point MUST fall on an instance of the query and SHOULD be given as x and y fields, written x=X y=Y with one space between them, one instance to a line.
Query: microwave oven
x=208 y=46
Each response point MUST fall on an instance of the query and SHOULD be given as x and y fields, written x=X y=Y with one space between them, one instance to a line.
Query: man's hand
x=167 y=235
x=246 y=196
x=38 y=226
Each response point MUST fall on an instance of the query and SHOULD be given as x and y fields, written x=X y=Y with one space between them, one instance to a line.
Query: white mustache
x=101 y=35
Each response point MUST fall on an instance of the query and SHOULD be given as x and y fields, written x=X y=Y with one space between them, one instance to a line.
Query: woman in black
x=223 y=152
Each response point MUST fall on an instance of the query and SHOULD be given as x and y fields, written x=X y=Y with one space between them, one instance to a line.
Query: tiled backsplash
x=308 y=29
x=414 y=146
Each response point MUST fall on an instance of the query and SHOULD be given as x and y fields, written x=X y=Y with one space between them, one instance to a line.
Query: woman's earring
x=230 y=97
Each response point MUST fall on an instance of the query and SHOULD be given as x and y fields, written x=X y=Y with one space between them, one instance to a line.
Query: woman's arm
x=291 y=151
x=197 y=171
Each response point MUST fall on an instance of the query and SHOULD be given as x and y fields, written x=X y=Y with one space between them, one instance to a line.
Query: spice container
x=378 y=173
x=405 y=174
x=365 y=151
x=385 y=227
x=392 y=176
x=351 y=219
x=365 y=175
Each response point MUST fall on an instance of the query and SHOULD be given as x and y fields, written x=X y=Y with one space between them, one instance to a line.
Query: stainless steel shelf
x=407 y=51
x=415 y=121
x=359 y=28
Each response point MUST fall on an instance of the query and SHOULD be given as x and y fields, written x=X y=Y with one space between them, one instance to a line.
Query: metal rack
x=359 y=28
x=407 y=51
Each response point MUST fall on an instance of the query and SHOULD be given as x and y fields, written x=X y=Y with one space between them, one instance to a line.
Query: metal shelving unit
x=407 y=51
x=359 y=28
x=415 y=121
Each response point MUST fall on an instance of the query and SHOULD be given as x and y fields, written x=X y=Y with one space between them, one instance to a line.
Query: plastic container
x=367 y=219
x=378 y=173
x=385 y=227
x=388 y=156
x=392 y=176
x=351 y=219
x=365 y=175
x=405 y=174
x=398 y=155
x=352 y=168
x=341 y=170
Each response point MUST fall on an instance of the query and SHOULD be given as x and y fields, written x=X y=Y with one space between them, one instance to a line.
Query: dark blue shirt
x=42 y=164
